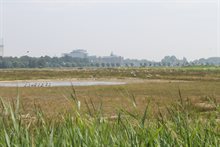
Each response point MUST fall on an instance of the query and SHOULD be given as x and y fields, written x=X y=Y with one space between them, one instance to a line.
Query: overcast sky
x=144 y=29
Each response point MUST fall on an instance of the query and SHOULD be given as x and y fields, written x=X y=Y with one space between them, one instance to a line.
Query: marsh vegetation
x=172 y=107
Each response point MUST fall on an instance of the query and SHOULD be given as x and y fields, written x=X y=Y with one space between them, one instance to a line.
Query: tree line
x=67 y=61
x=42 y=62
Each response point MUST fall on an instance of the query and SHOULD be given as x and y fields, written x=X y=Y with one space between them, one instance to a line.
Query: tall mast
x=1 y=28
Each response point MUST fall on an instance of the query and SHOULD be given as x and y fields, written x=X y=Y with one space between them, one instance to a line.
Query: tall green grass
x=180 y=127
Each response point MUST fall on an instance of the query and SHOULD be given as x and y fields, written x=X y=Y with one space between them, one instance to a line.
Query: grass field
x=182 y=108
x=56 y=99
x=185 y=73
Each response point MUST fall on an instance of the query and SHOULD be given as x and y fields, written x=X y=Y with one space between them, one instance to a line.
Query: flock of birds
x=37 y=84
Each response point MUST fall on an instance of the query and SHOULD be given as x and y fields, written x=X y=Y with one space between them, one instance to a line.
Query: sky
x=143 y=29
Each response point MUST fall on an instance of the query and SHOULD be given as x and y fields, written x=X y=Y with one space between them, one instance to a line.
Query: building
x=112 y=59
x=78 y=53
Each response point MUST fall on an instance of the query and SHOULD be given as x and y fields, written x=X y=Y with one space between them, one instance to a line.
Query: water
x=57 y=83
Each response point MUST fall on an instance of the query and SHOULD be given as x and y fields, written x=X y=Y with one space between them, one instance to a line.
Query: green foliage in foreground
x=180 y=128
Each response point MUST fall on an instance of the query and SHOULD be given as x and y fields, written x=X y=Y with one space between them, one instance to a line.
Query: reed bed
x=181 y=126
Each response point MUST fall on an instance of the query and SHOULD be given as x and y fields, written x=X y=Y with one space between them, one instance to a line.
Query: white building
x=81 y=53
x=78 y=53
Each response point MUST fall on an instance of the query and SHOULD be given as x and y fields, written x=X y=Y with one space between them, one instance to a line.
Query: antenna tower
x=1 y=28
x=1 y=47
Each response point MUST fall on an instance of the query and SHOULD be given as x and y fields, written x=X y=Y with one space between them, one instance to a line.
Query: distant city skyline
x=132 y=29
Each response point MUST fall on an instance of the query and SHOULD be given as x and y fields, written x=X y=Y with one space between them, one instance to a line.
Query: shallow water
x=57 y=83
